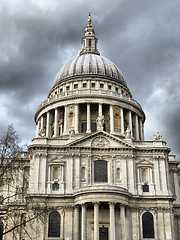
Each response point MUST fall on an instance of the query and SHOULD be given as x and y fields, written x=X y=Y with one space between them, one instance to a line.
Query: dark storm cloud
x=141 y=37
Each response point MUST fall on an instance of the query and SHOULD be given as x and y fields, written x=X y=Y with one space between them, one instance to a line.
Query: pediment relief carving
x=100 y=142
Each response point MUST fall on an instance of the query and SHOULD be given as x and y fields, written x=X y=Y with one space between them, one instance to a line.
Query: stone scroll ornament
x=100 y=142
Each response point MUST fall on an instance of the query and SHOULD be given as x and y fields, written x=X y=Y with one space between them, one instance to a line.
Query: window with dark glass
x=109 y=87
x=55 y=186
x=84 y=127
x=100 y=171
x=75 y=86
x=93 y=85
x=1 y=230
x=145 y=188
x=148 y=225
x=101 y=85
x=54 y=224
x=117 y=89
x=93 y=127
x=89 y=42
x=84 y=85
x=67 y=88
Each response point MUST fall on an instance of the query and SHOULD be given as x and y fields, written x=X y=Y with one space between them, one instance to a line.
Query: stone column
x=141 y=129
x=100 y=109
x=65 y=121
x=111 y=119
x=96 y=220
x=160 y=225
x=112 y=221
x=130 y=123
x=176 y=185
x=42 y=122
x=56 y=122
x=123 y=222
x=76 y=118
x=48 y=125
x=122 y=121
x=37 y=128
x=62 y=226
x=76 y=223
x=49 y=180
x=83 y=221
x=88 y=130
x=137 y=128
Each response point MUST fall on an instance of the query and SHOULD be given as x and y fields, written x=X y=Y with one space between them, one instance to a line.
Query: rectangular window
x=100 y=171
x=101 y=85
x=109 y=87
x=84 y=127
x=84 y=85
x=67 y=88
x=93 y=85
x=117 y=89
x=55 y=186
x=61 y=90
x=89 y=42
x=93 y=127
x=145 y=188
x=75 y=86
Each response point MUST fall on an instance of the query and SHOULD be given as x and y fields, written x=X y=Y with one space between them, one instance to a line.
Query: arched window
x=54 y=224
x=148 y=225
x=1 y=230
x=100 y=171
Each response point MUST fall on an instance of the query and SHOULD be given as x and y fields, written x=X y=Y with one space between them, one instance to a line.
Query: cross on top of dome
x=89 y=41
x=89 y=21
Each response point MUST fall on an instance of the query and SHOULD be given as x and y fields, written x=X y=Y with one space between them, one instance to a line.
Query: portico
x=107 y=219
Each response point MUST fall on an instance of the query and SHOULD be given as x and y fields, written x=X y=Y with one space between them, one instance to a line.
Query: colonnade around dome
x=83 y=118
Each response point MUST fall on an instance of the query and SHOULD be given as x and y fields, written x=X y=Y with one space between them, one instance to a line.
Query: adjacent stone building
x=90 y=165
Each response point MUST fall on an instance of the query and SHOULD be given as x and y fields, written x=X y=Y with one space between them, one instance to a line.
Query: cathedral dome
x=90 y=65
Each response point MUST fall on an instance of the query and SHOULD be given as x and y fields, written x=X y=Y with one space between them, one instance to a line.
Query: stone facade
x=90 y=165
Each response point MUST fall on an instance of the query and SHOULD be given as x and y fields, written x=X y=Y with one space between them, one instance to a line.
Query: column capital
x=95 y=203
x=112 y=203
x=83 y=204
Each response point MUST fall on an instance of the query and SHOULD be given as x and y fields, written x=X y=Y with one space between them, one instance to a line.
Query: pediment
x=144 y=163
x=101 y=140
x=55 y=159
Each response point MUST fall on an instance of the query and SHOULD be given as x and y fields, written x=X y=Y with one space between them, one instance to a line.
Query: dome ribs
x=90 y=64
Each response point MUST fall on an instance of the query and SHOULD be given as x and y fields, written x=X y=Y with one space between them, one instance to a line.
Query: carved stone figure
x=42 y=133
x=128 y=134
x=100 y=123
x=71 y=132
x=157 y=137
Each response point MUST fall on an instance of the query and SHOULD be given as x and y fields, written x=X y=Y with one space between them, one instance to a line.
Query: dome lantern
x=89 y=41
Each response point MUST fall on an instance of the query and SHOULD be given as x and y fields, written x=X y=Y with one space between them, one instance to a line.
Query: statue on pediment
x=100 y=123
x=157 y=137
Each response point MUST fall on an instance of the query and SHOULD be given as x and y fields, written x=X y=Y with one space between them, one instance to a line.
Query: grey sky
x=141 y=37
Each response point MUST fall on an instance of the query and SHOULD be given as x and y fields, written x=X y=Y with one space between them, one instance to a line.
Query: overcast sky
x=142 y=37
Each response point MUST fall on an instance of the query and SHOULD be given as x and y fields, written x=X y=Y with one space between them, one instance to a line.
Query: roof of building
x=91 y=65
